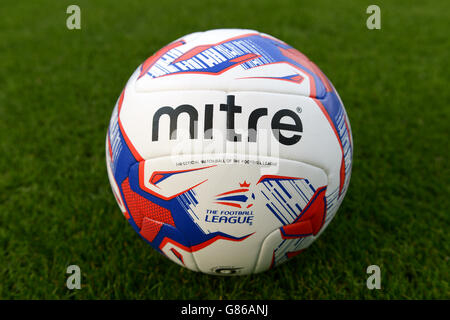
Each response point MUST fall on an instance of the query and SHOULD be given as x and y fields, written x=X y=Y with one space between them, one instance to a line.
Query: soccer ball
x=229 y=151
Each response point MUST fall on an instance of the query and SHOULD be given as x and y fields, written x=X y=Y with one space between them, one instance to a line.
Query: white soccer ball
x=229 y=151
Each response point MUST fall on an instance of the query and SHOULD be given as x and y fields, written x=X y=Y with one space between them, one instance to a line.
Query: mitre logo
x=289 y=135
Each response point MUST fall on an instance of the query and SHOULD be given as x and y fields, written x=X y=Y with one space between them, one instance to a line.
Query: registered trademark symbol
x=299 y=109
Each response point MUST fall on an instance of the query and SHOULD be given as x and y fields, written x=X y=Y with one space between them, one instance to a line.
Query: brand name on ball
x=290 y=135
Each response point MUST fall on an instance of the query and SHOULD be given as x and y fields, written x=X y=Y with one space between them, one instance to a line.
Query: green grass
x=57 y=91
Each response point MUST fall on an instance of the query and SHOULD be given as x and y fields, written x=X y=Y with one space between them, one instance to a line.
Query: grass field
x=57 y=91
